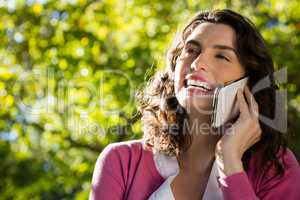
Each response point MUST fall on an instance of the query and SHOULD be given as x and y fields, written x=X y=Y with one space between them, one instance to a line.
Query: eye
x=192 y=51
x=220 y=56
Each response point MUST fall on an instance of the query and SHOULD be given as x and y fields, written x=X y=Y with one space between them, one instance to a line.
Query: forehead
x=217 y=33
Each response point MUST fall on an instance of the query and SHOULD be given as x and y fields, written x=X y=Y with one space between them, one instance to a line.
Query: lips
x=196 y=77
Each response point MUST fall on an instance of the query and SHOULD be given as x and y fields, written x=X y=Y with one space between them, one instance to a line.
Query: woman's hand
x=244 y=133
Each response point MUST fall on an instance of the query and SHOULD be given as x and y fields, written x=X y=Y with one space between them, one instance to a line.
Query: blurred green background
x=69 y=70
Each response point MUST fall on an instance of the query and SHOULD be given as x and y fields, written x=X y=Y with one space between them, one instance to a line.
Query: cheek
x=224 y=74
x=220 y=76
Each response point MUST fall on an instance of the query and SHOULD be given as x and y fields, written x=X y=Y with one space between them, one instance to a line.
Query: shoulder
x=259 y=168
x=116 y=157
x=268 y=179
x=126 y=145
x=289 y=159
x=122 y=153
x=285 y=157
x=124 y=148
x=114 y=168
x=290 y=165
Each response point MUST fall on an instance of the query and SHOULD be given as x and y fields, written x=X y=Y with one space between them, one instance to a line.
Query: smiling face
x=208 y=59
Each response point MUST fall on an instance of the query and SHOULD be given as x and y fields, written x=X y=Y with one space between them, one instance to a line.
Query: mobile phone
x=225 y=106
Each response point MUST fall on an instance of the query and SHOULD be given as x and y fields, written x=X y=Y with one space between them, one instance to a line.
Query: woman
x=181 y=156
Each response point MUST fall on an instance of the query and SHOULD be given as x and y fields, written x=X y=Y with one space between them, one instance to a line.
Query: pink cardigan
x=126 y=170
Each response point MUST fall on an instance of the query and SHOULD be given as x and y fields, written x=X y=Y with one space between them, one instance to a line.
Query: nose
x=200 y=63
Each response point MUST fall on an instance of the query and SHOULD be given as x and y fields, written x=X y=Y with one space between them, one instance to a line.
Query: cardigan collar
x=168 y=166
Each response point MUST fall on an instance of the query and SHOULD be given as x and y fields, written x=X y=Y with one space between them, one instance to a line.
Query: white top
x=168 y=168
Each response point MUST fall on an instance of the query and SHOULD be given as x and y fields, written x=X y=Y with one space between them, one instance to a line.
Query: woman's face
x=207 y=60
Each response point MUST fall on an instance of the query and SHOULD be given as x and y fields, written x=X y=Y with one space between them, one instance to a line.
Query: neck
x=200 y=156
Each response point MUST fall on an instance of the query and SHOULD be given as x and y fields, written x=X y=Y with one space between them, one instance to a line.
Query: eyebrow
x=217 y=46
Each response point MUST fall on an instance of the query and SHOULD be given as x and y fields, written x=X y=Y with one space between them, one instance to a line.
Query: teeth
x=199 y=84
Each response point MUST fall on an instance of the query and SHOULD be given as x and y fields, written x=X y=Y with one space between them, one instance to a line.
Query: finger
x=253 y=106
x=257 y=139
x=243 y=106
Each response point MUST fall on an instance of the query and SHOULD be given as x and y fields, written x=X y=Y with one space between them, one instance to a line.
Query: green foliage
x=69 y=70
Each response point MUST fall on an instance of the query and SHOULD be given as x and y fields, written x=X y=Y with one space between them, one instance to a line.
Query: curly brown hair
x=164 y=119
